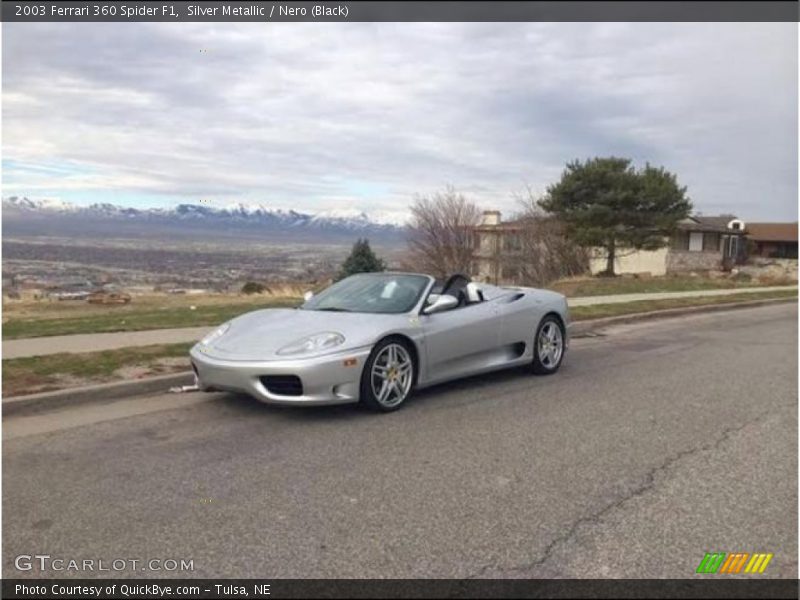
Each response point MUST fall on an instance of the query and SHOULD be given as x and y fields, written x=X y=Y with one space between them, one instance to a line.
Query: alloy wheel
x=392 y=375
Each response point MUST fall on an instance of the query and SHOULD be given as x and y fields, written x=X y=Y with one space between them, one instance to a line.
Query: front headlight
x=313 y=343
x=216 y=334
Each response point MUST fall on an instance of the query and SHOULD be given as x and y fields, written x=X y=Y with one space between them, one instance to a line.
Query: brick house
x=704 y=243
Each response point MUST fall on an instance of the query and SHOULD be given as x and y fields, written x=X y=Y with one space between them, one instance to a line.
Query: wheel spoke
x=384 y=393
x=398 y=391
x=381 y=370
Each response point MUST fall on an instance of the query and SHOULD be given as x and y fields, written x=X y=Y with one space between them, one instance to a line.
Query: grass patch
x=56 y=371
x=132 y=318
x=581 y=313
x=607 y=286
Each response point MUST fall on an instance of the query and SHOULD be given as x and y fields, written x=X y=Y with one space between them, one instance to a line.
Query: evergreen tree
x=607 y=203
x=361 y=260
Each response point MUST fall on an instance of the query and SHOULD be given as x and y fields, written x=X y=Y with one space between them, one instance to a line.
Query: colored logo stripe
x=758 y=563
x=735 y=562
x=716 y=562
x=711 y=562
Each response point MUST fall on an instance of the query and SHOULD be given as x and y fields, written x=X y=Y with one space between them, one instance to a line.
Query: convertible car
x=375 y=337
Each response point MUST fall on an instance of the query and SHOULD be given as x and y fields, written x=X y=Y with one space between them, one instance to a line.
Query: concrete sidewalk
x=620 y=298
x=97 y=342
x=94 y=342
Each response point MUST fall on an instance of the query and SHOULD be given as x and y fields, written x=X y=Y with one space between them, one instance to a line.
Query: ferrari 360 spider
x=376 y=337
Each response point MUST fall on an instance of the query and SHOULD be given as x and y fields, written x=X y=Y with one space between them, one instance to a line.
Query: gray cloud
x=317 y=116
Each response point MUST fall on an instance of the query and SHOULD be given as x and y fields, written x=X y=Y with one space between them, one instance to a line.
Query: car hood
x=259 y=335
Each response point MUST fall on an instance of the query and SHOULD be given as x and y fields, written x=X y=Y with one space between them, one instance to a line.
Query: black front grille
x=283 y=385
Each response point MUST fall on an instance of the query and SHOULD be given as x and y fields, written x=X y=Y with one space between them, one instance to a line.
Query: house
x=700 y=243
x=773 y=240
x=705 y=243
x=494 y=244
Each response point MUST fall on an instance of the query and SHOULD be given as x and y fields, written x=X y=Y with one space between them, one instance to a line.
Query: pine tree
x=607 y=203
x=361 y=260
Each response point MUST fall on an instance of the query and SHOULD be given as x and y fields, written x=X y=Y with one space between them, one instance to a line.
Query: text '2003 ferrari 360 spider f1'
x=375 y=337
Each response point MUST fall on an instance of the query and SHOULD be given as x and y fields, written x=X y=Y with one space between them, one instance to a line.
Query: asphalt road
x=655 y=443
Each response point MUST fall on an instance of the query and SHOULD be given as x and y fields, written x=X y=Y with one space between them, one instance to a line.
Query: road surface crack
x=649 y=482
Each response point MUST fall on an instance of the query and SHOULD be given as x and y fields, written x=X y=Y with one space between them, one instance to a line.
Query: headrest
x=473 y=292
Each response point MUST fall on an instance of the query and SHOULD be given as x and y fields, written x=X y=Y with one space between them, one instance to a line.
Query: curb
x=104 y=392
x=109 y=392
x=587 y=327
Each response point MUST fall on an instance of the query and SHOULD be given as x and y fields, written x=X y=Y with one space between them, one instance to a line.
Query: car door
x=520 y=313
x=459 y=341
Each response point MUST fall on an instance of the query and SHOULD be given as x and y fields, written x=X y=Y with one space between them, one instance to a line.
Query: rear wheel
x=388 y=376
x=548 y=347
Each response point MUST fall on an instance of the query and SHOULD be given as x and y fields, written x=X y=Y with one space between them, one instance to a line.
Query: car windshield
x=370 y=293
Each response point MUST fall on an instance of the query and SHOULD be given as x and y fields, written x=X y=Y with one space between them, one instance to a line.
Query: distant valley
x=59 y=246
x=23 y=216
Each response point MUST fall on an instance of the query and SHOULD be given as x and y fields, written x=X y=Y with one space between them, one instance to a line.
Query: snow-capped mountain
x=40 y=204
x=24 y=214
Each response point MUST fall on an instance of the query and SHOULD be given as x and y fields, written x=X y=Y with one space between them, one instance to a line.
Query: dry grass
x=580 y=313
x=55 y=309
x=46 y=318
x=602 y=286
x=59 y=371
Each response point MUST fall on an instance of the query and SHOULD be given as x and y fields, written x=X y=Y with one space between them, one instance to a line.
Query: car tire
x=389 y=375
x=548 y=346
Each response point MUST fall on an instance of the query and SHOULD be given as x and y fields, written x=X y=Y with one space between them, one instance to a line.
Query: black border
x=704 y=586
x=446 y=10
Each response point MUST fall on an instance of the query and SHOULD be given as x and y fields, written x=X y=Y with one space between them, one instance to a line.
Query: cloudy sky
x=327 y=116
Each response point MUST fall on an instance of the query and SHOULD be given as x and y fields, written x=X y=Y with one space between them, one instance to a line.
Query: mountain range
x=25 y=216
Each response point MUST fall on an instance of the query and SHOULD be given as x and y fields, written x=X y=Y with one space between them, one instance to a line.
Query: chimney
x=491 y=217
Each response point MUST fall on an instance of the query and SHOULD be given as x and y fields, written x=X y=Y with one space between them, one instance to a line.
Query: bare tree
x=542 y=252
x=440 y=239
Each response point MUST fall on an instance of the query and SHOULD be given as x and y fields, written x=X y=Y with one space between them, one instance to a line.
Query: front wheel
x=548 y=347
x=388 y=376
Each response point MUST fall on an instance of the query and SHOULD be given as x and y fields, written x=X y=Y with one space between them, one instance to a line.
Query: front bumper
x=325 y=379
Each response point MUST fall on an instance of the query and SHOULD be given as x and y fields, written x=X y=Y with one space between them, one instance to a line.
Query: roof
x=715 y=220
x=502 y=227
x=715 y=223
x=513 y=226
x=772 y=232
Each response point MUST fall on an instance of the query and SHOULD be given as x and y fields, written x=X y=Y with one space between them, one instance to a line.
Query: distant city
x=62 y=250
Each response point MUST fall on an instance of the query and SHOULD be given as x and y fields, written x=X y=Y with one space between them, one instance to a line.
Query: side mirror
x=308 y=295
x=442 y=303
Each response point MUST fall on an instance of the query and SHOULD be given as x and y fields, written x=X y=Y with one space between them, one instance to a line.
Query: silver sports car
x=375 y=337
